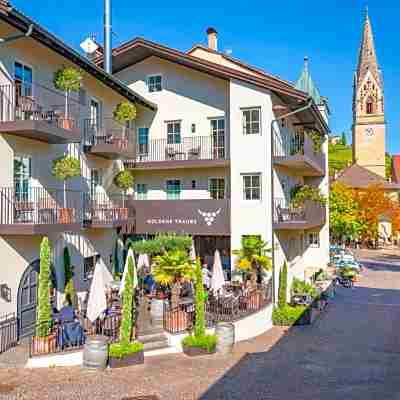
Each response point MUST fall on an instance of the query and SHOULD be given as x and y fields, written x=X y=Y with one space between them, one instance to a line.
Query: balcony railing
x=104 y=209
x=296 y=149
x=189 y=149
x=36 y=102
x=311 y=214
x=39 y=206
x=108 y=132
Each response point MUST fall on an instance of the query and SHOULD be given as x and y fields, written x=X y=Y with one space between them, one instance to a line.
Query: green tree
x=124 y=180
x=44 y=308
x=200 y=326
x=343 y=140
x=282 y=293
x=128 y=312
x=344 y=218
x=388 y=166
x=69 y=288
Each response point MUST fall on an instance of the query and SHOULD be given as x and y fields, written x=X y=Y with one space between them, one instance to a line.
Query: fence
x=230 y=308
x=8 y=332
x=71 y=336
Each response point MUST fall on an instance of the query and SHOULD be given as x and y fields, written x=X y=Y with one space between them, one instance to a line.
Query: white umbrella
x=217 y=279
x=120 y=252
x=135 y=278
x=143 y=261
x=97 y=302
x=193 y=252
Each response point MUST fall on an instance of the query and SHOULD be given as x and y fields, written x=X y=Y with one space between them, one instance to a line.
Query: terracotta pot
x=66 y=215
x=195 y=351
x=67 y=123
x=131 y=359
x=44 y=345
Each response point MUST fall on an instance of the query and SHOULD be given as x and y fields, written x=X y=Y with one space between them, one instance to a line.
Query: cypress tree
x=282 y=295
x=69 y=289
x=199 y=328
x=44 y=307
x=127 y=306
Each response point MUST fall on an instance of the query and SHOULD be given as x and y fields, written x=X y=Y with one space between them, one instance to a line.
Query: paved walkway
x=352 y=352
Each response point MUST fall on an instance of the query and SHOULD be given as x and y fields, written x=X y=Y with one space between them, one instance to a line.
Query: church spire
x=367 y=60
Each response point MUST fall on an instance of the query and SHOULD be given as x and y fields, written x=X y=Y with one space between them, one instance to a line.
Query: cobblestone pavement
x=352 y=352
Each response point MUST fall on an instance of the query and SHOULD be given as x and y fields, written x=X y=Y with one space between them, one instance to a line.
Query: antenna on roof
x=89 y=46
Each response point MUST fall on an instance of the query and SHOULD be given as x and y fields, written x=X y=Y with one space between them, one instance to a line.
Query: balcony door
x=22 y=177
x=218 y=138
x=23 y=80
x=95 y=116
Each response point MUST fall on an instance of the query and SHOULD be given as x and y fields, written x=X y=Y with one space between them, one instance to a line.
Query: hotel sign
x=195 y=217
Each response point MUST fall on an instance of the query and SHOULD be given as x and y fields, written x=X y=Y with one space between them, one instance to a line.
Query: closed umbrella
x=135 y=278
x=97 y=302
x=193 y=252
x=217 y=279
x=143 y=261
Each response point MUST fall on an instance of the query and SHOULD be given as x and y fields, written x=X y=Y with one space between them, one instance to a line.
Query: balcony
x=108 y=139
x=287 y=217
x=194 y=217
x=36 y=112
x=39 y=211
x=107 y=211
x=191 y=152
x=295 y=150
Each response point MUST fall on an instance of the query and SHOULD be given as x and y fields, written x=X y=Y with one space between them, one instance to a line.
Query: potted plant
x=124 y=113
x=253 y=258
x=124 y=180
x=44 y=341
x=127 y=352
x=68 y=80
x=66 y=168
x=301 y=193
x=317 y=141
x=199 y=343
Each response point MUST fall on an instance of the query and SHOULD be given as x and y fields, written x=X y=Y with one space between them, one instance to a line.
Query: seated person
x=148 y=283
x=71 y=332
x=67 y=312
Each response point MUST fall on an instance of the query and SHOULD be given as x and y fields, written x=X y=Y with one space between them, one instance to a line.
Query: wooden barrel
x=95 y=352
x=226 y=337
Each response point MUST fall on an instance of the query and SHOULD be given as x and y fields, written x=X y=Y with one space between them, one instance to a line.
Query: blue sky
x=272 y=35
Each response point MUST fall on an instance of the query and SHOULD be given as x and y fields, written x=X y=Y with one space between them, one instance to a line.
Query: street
x=352 y=352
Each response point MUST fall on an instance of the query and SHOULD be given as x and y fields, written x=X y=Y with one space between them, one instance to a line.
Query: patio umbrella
x=120 y=252
x=143 y=262
x=193 y=252
x=135 y=278
x=217 y=279
x=97 y=302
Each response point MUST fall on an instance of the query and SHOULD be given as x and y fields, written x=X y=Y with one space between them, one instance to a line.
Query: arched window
x=370 y=105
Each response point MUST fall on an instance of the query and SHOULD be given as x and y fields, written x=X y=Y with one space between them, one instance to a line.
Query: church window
x=370 y=106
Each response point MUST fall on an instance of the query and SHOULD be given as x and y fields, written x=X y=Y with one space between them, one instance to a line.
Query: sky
x=272 y=35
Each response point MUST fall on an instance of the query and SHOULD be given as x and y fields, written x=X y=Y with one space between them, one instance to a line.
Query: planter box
x=195 y=351
x=131 y=359
x=44 y=345
x=66 y=215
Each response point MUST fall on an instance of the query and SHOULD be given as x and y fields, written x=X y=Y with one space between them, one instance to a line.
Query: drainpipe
x=107 y=36
x=301 y=109
x=13 y=38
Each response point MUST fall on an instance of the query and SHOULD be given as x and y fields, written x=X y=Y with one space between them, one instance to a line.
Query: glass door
x=24 y=101
x=22 y=177
x=218 y=138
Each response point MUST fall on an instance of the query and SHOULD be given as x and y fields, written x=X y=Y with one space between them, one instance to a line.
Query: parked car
x=353 y=264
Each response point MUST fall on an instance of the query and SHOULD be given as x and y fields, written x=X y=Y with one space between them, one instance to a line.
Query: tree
x=124 y=113
x=124 y=180
x=200 y=326
x=162 y=243
x=282 y=293
x=170 y=269
x=343 y=140
x=254 y=256
x=44 y=308
x=69 y=288
x=388 y=166
x=343 y=213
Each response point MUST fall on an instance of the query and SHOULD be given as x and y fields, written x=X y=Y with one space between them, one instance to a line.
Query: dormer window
x=154 y=83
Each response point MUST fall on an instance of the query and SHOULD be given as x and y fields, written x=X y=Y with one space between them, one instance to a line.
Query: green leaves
x=282 y=291
x=127 y=306
x=124 y=180
x=69 y=288
x=124 y=112
x=66 y=167
x=301 y=193
x=200 y=325
x=317 y=140
x=162 y=243
x=67 y=79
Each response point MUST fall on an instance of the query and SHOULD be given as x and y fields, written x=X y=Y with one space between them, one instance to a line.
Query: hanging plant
x=124 y=180
x=317 y=141
x=124 y=112
x=301 y=193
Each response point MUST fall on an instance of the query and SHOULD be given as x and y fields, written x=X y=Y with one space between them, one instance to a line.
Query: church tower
x=368 y=107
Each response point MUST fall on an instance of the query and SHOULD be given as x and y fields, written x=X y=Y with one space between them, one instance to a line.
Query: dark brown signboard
x=194 y=217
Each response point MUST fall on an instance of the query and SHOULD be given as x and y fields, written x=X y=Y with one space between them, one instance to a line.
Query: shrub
x=162 y=243
x=200 y=325
x=206 y=342
x=44 y=307
x=282 y=294
x=66 y=167
x=124 y=112
x=300 y=287
x=124 y=180
x=69 y=289
x=287 y=315
x=119 y=350
x=348 y=272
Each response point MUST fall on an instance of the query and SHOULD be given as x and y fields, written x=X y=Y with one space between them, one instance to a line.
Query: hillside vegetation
x=340 y=156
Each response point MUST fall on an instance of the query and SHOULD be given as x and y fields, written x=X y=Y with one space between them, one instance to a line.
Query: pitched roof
x=306 y=83
x=139 y=49
x=367 y=60
x=359 y=177
x=21 y=22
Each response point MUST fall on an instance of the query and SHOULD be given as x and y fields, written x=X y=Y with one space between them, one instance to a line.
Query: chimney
x=107 y=37
x=212 y=39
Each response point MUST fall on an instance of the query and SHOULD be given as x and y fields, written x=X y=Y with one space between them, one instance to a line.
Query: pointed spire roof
x=306 y=83
x=367 y=60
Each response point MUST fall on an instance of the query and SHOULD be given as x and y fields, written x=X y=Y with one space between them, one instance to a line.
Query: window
x=23 y=77
x=313 y=239
x=141 y=191
x=143 y=140
x=218 y=138
x=94 y=113
x=22 y=177
x=370 y=106
x=154 y=83
x=251 y=121
x=89 y=264
x=96 y=182
x=252 y=187
x=217 y=188
x=193 y=184
x=193 y=129
x=173 y=189
x=174 y=132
